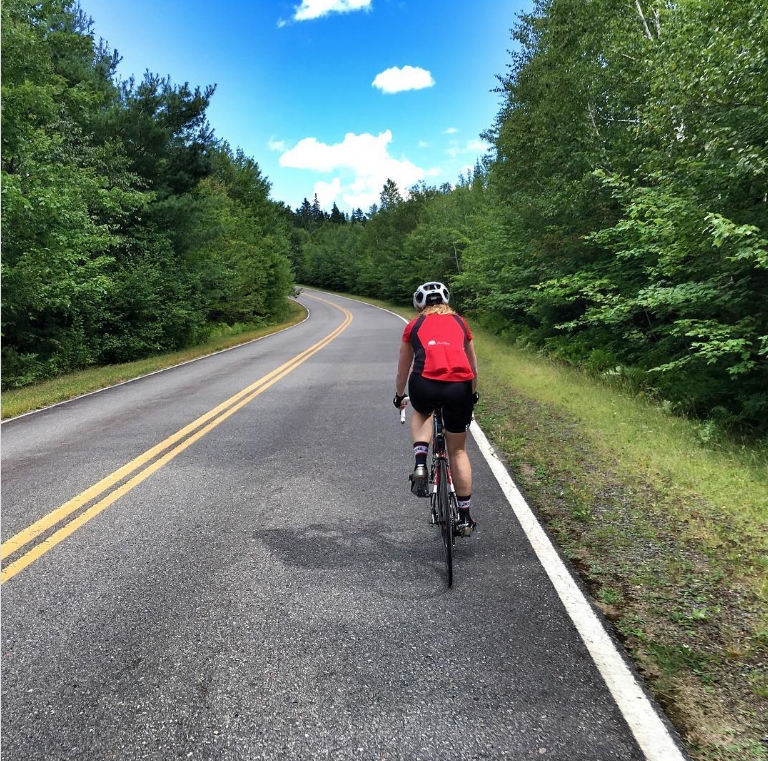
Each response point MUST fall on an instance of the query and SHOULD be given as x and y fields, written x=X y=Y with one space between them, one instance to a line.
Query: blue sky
x=330 y=96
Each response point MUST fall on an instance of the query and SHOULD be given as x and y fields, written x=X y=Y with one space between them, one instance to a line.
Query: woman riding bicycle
x=438 y=362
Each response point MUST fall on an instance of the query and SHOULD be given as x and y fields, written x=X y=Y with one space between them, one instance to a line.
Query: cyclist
x=438 y=362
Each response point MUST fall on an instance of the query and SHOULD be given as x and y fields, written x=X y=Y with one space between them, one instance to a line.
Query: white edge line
x=650 y=731
x=155 y=372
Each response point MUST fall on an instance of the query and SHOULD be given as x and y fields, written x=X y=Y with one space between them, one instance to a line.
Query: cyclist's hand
x=475 y=398
x=399 y=401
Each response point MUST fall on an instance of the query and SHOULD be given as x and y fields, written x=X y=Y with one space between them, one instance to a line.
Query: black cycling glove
x=475 y=398
x=398 y=400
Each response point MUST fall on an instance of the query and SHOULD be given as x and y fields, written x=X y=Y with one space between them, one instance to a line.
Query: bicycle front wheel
x=446 y=519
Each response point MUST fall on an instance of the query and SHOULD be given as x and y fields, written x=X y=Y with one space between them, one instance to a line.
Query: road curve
x=258 y=582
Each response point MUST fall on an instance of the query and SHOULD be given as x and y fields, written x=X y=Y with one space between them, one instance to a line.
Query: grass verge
x=669 y=532
x=18 y=401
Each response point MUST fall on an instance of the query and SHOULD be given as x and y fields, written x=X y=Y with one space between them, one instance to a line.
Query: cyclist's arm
x=403 y=367
x=472 y=357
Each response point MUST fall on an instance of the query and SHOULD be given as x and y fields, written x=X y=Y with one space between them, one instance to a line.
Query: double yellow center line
x=145 y=463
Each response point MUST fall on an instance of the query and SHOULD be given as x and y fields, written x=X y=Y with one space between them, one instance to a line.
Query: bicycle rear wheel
x=445 y=518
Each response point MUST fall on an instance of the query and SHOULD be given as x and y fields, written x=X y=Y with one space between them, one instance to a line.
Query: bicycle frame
x=442 y=492
x=440 y=451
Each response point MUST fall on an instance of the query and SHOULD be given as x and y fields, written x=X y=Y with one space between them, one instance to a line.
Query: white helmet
x=429 y=294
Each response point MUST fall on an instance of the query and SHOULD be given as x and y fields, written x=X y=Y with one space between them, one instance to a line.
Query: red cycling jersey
x=438 y=342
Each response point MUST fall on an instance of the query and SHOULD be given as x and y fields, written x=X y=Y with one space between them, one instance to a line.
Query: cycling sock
x=463 y=502
x=420 y=449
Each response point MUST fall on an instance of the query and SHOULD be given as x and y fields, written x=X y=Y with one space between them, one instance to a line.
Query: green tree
x=58 y=200
x=117 y=241
x=165 y=132
x=629 y=195
x=337 y=218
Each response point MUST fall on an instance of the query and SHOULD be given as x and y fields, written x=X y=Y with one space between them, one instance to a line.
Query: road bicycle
x=444 y=509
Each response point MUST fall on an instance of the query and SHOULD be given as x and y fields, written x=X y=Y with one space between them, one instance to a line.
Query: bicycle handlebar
x=402 y=411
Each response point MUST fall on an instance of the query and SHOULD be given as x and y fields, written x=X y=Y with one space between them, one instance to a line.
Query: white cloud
x=277 y=145
x=312 y=9
x=328 y=192
x=408 y=78
x=470 y=146
x=361 y=164
x=450 y=131
x=479 y=146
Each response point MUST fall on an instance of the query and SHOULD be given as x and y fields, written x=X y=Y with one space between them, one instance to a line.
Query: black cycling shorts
x=455 y=396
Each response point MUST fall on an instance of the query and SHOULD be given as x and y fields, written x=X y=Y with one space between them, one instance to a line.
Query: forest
x=619 y=222
x=128 y=227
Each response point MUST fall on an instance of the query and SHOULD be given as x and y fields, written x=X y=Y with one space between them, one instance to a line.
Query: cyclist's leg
x=421 y=426
x=461 y=468
x=461 y=472
x=457 y=413
x=422 y=397
x=421 y=432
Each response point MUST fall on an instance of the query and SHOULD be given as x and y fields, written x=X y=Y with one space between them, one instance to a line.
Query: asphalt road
x=271 y=589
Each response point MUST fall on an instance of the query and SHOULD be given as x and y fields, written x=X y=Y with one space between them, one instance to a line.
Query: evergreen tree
x=390 y=195
x=337 y=218
x=304 y=215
